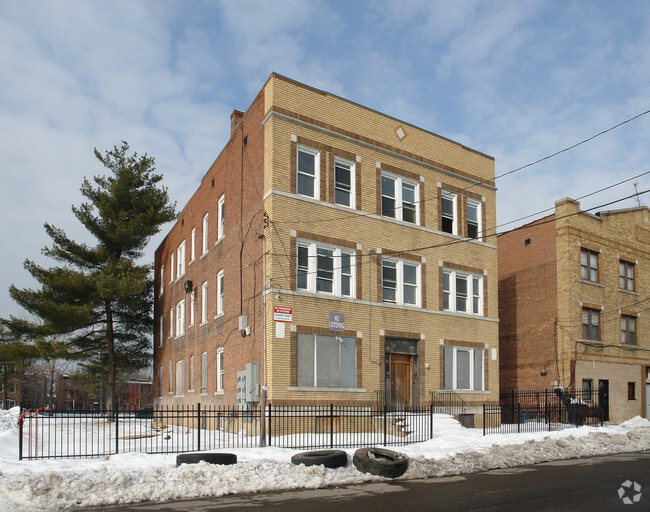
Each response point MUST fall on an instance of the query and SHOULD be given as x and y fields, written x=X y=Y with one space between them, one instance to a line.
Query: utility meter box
x=248 y=386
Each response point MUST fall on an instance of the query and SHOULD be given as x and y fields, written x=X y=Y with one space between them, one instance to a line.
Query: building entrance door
x=401 y=382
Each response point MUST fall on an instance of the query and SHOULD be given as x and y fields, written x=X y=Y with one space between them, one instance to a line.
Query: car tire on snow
x=381 y=462
x=210 y=458
x=328 y=458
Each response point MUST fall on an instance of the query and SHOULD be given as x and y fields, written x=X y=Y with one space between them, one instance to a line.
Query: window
x=464 y=368
x=448 y=212
x=220 y=370
x=171 y=377
x=12 y=387
x=160 y=382
x=631 y=390
x=191 y=384
x=626 y=275
x=221 y=217
x=307 y=168
x=180 y=377
x=628 y=329
x=400 y=281
x=205 y=234
x=204 y=372
x=162 y=279
x=326 y=361
x=193 y=244
x=344 y=182
x=171 y=322
x=171 y=268
x=220 y=293
x=462 y=292
x=587 y=388
x=589 y=265
x=399 y=198
x=180 y=318
x=180 y=256
x=192 y=306
x=161 y=332
x=473 y=219
x=591 y=324
x=325 y=269
x=204 y=302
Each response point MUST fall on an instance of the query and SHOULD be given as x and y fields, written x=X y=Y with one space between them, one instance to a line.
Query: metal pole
x=431 y=421
x=270 y=429
x=198 y=423
x=20 y=434
x=484 y=418
x=117 y=430
x=263 y=418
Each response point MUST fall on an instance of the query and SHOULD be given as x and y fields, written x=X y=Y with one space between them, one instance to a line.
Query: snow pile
x=9 y=419
x=132 y=477
x=637 y=421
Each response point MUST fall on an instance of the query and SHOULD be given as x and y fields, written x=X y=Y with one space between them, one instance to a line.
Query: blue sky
x=518 y=80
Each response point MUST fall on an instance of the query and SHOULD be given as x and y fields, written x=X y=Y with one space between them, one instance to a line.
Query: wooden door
x=401 y=381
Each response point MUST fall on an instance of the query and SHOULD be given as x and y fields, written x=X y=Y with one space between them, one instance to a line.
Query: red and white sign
x=282 y=314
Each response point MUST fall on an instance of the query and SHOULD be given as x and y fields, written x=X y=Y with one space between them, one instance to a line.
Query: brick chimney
x=235 y=119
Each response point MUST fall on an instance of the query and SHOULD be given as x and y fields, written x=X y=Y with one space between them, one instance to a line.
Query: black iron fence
x=46 y=435
x=447 y=402
x=537 y=410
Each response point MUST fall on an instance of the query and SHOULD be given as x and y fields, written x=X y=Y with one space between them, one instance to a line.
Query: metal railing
x=47 y=435
x=447 y=402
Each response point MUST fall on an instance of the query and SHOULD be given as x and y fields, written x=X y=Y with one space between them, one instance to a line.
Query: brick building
x=573 y=293
x=10 y=385
x=338 y=250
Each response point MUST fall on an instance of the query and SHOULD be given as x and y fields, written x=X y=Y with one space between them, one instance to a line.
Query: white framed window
x=325 y=269
x=448 y=212
x=400 y=281
x=205 y=234
x=180 y=377
x=204 y=372
x=160 y=382
x=193 y=245
x=464 y=368
x=171 y=377
x=220 y=292
x=171 y=268
x=204 y=302
x=220 y=370
x=399 y=198
x=162 y=279
x=191 y=383
x=344 y=181
x=308 y=172
x=180 y=256
x=473 y=219
x=462 y=292
x=180 y=318
x=161 y=332
x=171 y=322
x=326 y=361
x=192 y=306
x=221 y=211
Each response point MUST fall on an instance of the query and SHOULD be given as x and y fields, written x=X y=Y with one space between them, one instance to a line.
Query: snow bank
x=637 y=421
x=133 y=477
x=9 y=419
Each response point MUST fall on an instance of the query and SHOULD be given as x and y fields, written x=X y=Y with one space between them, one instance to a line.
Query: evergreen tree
x=99 y=300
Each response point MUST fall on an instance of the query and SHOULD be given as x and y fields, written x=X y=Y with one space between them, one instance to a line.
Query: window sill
x=218 y=315
x=219 y=241
x=204 y=255
x=190 y=391
x=178 y=336
x=629 y=292
x=466 y=391
x=180 y=396
x=190 y=262
x=203 y=323
x=592 y=283
x=327 y=390
x=221 y=392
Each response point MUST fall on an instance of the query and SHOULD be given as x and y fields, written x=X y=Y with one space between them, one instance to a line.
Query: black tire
x=328 y=458
x=379 y=461
x=211 y=458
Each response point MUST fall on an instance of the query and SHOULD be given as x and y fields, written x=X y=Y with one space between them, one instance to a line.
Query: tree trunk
x=110 y=354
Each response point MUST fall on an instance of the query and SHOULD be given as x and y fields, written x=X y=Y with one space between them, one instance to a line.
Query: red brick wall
x=527 y=307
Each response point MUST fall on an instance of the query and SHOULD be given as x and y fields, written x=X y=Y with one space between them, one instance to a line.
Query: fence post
x=20 y=434
x=117 y=430
x=385 y=419
x=198 y=426
x=484 y=418
x=518 y=418
x=331 y=425
x=431 y=422
x=269 y=442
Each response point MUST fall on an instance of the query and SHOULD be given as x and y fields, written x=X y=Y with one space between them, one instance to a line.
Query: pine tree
x=99 y=300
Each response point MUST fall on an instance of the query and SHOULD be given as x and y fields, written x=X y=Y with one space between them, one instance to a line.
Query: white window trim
x=316 y=177
x=160 y=382
x=204 y=302
x=453 y=274
x=171 y=268
x=171 y=377
x=161 y=334
x=353 y=172
x=180 y=263
x=205 y=235
x=192 y=307
x=162 y=279
x=399 y=292
x=454 y=199
x=220 y=370
x=204 y=373
x=312 y=269
x=221 y=218
x=193 y=246
x=471 y=370
x=180 y=318
x=399 y=204
x=190 y=386
x=171 y=322
x=479 y=215
x=220 y=286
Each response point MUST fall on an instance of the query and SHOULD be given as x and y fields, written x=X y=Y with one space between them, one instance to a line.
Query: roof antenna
x=638 y=201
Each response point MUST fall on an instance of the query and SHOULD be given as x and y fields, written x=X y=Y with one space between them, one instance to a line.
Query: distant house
x=10 y=385
x=333 y=254
x=574 y=293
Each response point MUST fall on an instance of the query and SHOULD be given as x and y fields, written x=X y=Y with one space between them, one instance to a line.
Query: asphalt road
x=590 y=484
